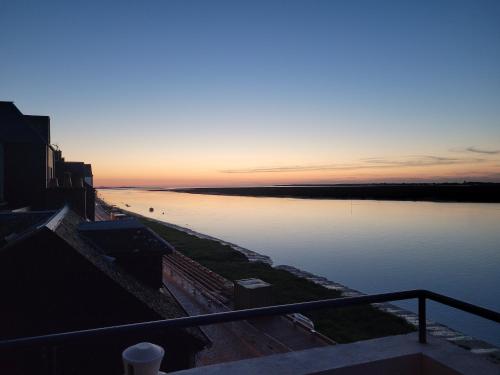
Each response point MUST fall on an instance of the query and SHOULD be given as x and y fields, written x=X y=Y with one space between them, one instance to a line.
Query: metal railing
x=193 y=321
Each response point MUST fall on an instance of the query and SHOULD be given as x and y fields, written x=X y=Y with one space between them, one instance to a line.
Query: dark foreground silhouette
x=465 y=192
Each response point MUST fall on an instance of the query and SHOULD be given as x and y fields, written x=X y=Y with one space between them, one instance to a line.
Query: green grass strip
x=342 y=325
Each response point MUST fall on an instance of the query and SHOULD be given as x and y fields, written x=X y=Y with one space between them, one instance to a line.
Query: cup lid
x=142 y=353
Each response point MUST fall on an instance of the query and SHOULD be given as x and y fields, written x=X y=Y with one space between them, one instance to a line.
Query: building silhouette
x=61 y=271
x=33 y=172
x=53 y=279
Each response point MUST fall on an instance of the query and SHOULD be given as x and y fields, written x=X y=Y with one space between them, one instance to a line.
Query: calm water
x=372 y=246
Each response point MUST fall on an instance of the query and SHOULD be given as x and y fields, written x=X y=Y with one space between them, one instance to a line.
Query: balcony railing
x=193 y=321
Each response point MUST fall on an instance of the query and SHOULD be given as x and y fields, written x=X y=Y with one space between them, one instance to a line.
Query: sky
x=230 y=93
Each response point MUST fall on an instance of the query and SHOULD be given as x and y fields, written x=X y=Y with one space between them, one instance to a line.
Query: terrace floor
x=401 y=354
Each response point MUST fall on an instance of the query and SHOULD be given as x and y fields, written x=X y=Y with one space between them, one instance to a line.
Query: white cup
x=143 y=359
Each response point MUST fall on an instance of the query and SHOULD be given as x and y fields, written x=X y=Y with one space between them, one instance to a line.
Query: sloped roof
x=63 y=226
x=162 y=303
x=127 y=236
x=165 y=305
x=15 y=224
x=106 y=225
x=14 y=127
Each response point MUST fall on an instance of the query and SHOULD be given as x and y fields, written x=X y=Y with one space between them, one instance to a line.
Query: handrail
x=464 y=306
x=229 y=316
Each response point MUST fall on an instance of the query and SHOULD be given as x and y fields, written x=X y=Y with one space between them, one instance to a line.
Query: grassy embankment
x=342 y=325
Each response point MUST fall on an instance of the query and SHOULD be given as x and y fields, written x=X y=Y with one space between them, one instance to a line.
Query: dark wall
x=2 y=176
x=76 y=198
x=25 y=174
x=81 y=200
x=90 y=202
x=47 y=287
x=41 y=124
x=85 y=208
x=136 y=250
x=146 y=268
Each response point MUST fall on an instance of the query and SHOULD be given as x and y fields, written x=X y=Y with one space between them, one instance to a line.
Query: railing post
x=143 y=358
x=422 y=320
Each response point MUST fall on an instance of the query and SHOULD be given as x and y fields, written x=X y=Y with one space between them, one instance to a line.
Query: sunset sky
x=201 y=93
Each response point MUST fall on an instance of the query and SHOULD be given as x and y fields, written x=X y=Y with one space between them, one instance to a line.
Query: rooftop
x=123 y=236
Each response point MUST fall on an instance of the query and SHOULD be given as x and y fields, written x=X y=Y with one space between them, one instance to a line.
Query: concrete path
x=100 y=213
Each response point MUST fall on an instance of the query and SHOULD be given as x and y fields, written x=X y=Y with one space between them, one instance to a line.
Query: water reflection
x=373 y=246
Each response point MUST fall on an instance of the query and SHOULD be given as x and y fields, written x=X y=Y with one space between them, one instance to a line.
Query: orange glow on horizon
x=179 y=177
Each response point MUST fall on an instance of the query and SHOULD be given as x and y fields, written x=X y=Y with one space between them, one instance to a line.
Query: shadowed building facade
x=60 y=272
x=33 y=172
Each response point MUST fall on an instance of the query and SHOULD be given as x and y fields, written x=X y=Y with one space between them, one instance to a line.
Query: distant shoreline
x=466 y=192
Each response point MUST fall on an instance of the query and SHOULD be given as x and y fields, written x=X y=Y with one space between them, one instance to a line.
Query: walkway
x=100 y=212
x=231 y=341
x=200 y=291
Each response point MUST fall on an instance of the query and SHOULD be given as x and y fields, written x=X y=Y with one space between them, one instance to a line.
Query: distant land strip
x=466 y=192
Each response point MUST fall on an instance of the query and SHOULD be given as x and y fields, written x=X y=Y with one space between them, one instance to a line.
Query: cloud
x=419 y=160
x=476 y=150
x=369 y=163
x=482 y=151
x=291 y=168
